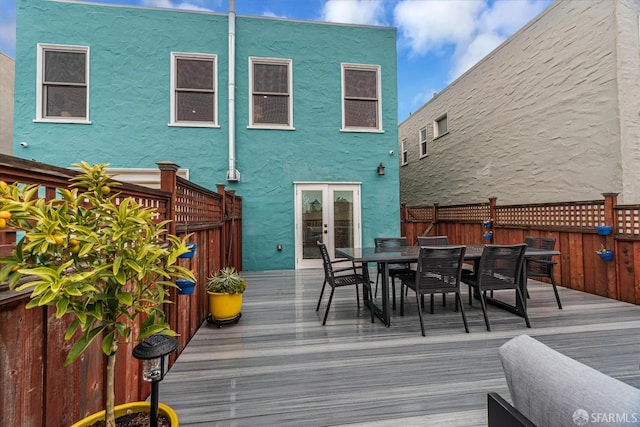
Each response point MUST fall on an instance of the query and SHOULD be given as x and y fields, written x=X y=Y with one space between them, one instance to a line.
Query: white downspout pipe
x=232 y=174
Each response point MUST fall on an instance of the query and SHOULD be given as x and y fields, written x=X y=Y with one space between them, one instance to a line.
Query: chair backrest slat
x=501 y=264
x=540 y=268
x=326 y=260
x=442 y=263
x=433 y=240
x=390 y=242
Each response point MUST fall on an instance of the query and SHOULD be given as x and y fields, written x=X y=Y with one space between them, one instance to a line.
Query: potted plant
x=604 y=253
x=225 y=289
x=104 y=264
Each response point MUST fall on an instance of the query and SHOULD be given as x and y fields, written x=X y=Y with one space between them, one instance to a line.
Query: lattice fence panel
x=420 y=214
x=464 y=213
x=195 y=206
x=572 y=215
x=627 y=220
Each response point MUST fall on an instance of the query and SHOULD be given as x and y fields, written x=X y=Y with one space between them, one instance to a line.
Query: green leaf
x=61 y=307
x=117 y=263
x=73 y=327
x=125 y=298
x=107 y=343
x=81 y=345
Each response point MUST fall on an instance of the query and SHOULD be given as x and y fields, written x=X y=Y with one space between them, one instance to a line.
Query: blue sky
x=438 y=40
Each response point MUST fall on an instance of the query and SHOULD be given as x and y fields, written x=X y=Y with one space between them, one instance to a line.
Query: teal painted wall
x=129 y=110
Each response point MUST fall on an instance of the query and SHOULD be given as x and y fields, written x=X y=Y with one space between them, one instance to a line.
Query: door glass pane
x=343 y=218
x=311 y=223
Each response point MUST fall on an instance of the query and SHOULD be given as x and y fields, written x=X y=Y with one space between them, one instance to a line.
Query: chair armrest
x=502 y=414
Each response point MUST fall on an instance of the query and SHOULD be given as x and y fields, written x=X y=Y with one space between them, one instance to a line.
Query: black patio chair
x=438 y=271
x=434 y=241
x=395 y=270
x=542 y=266
x=500 y=267
x=339 y=277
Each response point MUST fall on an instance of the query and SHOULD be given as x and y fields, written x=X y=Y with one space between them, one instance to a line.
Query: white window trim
x=404 y=152
x=436 y=129
x=41 y=47
x=365 y=67
x=173 y=111
x=277 y=61
x=424 y=141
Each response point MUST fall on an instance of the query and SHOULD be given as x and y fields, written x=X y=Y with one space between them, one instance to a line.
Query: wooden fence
x=37 y=389
x=571 y=223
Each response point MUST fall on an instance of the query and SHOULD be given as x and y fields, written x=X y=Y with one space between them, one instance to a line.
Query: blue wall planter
x=488 y=236
x=606 y=255
x=604 y=230
x=192 y=250
x=186 y=287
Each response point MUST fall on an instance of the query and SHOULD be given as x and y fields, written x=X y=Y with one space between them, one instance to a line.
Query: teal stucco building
x=296 y=116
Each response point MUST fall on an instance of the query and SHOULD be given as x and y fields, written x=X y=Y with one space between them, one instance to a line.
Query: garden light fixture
x=153 y=351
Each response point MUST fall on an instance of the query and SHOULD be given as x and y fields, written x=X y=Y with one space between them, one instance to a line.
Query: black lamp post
x=153 y=351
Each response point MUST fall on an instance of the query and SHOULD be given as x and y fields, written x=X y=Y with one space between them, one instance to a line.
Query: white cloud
x=169 y=4
x=429 y=25
x=469 y=28
x=364 y=12
x=507 y=17
x=479 y=47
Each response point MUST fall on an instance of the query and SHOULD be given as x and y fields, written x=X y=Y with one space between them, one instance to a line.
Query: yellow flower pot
x=129 y=408
x=224 y=306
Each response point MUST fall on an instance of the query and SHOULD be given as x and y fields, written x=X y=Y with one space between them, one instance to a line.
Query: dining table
x=409 y=254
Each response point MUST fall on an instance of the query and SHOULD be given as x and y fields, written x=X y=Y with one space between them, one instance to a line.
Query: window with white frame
x=194 y=99
x=270 y=99
x=404 y=155
x=62 y=83
x=361 y=98
x=423 y=142
x=440 y=126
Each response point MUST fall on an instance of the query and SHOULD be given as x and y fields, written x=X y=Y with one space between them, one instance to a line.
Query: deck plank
x=280 y=367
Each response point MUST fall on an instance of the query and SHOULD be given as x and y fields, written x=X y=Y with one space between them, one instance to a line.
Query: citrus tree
x=103 y=263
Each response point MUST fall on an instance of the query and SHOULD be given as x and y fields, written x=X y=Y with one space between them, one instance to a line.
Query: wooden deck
x=280 y=367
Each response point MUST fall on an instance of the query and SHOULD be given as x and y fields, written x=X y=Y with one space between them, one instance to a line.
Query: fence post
x=492 y=209
x=434 y=221
x=610 y=200
x=223 y=232
x=168 y=182
x=403 y=219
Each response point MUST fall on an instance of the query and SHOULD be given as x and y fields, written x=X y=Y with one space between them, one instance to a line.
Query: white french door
x=326 y=212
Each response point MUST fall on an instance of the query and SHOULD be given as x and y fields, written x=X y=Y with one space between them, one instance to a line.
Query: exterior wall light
x=380 y=169
x=153 y=351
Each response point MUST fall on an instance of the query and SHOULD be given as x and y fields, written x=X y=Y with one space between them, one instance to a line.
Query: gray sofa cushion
x=551 y=389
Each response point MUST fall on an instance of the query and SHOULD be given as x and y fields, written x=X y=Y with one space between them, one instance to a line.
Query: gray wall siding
x=537 y=120
x=7 y=74
x=628 y=61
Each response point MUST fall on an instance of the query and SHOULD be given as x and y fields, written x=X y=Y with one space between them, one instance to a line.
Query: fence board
x=21 y=354
x=32 y=355
x=572 y=224
x=626 y=276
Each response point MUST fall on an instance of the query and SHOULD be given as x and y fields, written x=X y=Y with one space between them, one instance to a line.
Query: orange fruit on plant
x=3 y=223
x=5 y=214
x=58 y=240
x=105 y=189
x=73 y=242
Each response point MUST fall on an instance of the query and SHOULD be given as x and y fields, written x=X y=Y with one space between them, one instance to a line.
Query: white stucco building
x=550 y=115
